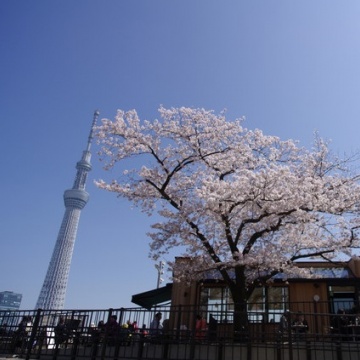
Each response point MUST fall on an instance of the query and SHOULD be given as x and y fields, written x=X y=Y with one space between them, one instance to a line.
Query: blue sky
x=290 y=67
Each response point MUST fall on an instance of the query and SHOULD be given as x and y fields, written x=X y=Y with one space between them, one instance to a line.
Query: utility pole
x=160 y=270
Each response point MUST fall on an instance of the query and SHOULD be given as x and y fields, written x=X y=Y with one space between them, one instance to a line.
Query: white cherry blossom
x=243 y=204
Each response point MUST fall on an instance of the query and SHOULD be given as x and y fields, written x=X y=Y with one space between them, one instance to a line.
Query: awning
x=150 y=298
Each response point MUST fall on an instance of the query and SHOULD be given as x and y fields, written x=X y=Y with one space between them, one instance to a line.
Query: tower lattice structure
x=53 y=291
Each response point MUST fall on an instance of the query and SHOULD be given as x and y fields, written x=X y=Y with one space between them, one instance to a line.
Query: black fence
x=302 y=331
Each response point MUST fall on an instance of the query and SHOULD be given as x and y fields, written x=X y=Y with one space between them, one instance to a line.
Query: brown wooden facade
x=335 y=285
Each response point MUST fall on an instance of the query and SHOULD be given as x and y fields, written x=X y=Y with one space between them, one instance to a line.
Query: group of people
x=113 y=332
x=297 y=326
x=61 y=332
x=346 y=323
x=203 y=330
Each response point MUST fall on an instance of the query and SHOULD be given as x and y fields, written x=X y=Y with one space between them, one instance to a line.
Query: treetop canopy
x=231 y=197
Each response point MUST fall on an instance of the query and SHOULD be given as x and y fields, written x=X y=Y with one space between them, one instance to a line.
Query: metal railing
x=85 y=334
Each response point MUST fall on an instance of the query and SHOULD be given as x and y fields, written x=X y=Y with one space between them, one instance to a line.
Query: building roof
x=150 y=298
x=323 y=273
x=315 y=270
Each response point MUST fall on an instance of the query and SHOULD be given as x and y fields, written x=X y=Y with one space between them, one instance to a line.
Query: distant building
x=10 y=300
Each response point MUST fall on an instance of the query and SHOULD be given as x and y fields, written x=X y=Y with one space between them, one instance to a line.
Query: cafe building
x=331 y=287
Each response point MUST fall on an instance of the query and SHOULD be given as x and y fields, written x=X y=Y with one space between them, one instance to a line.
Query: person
x=300 y=326
x=125 y=333
x=22 y=332
x=212 y=328
x=135 y=336
x=283 y=330
x=135 y=327
x=144 y=332
x=3 y=329
x=155 y=326
x=340 y=324
x=101 y=326
x=112 y=330
x=92 y=328
x=166 y=328
x=25 y=325
x=61 y=332
x=98 y=332
x=94 y=333
x=130 y=325
x=200 y=328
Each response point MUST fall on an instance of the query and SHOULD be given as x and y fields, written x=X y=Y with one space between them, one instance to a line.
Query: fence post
x=103 y=349
x=74 y=349
x=121 y=317
x=33 y=334
x=76 y=339
x=249 y=350
x=119 y=337
x=40 y=342
x=178 y=324
x=220 y=350
x=290 y=320
x=278 y=349
x=94 y=347
x=308 y=349
x=193 y=335
x=338 y=350
x=165 y=352
x=141 y=346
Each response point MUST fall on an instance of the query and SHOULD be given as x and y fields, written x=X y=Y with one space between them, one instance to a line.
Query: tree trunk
x=240 y=295
x=241 y=322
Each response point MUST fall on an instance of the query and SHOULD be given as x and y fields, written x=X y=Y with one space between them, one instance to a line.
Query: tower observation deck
x=53 y=291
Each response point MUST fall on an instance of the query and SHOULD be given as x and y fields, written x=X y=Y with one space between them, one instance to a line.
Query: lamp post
x=316 y=300
x=160 y=270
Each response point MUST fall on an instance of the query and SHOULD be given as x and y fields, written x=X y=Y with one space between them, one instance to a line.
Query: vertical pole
x=178 y=323
x=160 y=269
x=103 y=349
x=316 y=299
x=33 y=333
x=290 y=337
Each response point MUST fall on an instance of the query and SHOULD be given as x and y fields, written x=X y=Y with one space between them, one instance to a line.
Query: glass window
x=266 y=304
x=216 y=301
x=342 y=297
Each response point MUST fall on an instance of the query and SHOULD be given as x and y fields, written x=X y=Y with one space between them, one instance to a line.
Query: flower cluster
x=231 y=197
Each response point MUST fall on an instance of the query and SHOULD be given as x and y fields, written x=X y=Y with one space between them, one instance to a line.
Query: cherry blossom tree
x=243 y=204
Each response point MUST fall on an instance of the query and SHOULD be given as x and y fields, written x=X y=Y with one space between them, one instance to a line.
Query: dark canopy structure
x=150 y=298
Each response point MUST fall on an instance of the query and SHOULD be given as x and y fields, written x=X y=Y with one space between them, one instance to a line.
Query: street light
x=160 y=269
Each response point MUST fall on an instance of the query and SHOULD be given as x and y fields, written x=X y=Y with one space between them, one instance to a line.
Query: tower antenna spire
x=92 y=130
x=53 y=291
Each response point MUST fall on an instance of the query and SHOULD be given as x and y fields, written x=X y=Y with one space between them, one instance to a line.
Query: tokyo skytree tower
x=53 y=291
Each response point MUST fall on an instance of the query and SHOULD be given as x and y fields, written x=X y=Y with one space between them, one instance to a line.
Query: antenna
x=91 y=135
